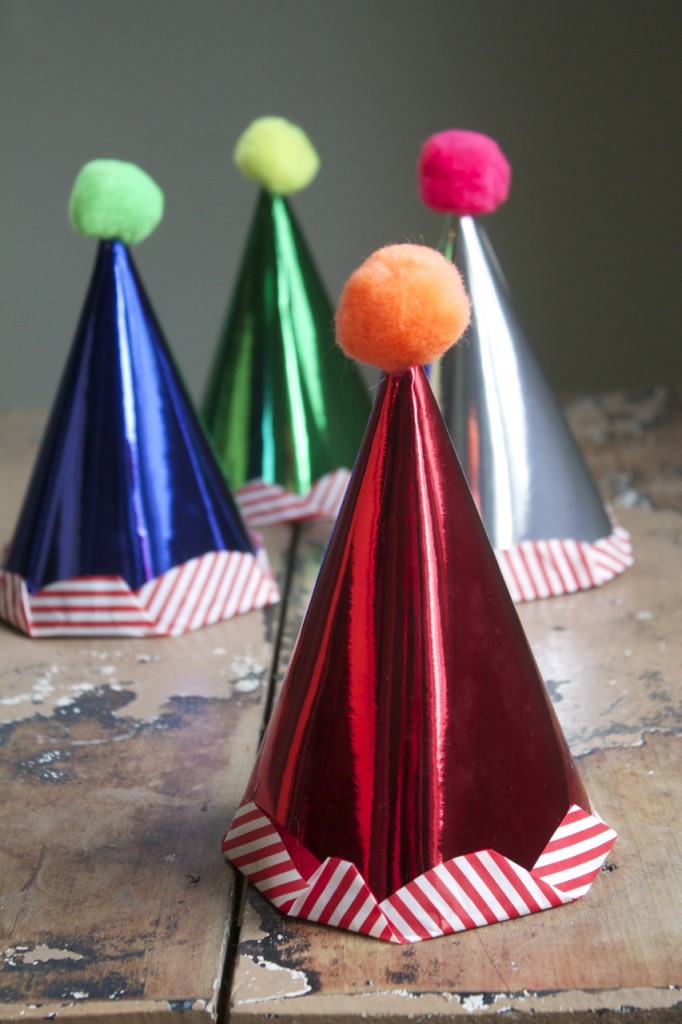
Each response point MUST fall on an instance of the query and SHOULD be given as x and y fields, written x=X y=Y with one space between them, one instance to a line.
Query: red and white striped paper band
x=205 y=590
x=264 y=504
x=575 y=853
x=549 y=568
x=465 y=892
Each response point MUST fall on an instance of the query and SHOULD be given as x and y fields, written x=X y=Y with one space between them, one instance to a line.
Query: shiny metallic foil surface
x=125 y=483
x=526 y=473
x=413 y=725
x=283 y=404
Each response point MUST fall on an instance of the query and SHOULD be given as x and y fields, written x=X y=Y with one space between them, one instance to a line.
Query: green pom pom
x=277 y=154
x=114 y=199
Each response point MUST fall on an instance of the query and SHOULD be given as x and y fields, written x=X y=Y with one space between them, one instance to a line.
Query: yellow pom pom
x=405 y=305
x=277 y=154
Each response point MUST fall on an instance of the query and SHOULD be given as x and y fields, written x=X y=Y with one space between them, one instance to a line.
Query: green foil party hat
x=286 y=409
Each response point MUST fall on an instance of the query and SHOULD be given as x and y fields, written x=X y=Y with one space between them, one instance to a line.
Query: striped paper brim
x=535 y=569
x=263 y=504
x=205 y=590
x=465 y=892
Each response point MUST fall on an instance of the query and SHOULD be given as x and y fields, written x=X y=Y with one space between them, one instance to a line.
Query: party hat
x=539 y=503
x=127 y=527
x=413 y=780
x=285 y=408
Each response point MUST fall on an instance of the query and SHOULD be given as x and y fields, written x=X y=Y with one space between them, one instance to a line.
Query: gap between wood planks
x=236 y=910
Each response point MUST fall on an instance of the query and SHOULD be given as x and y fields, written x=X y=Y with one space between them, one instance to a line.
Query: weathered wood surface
x=121 y=763
x=611 y=659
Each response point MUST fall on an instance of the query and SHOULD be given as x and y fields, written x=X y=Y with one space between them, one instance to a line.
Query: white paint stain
x=402 y=993
x=41 y=688
x=19 y=698
x=471 y=1003
x=247 y=685
x=48 y=756
x=39 y=692
x=245 y=665
x=288 y=983
x=38 y=955
x=249 y=673
x=631 y=498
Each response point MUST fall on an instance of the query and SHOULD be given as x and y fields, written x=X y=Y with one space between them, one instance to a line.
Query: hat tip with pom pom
x=115 y=200
x=404 y=306
x=463 y=172
x=277 y=154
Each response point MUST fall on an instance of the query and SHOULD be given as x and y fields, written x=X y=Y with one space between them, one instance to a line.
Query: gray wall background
x=582 y=96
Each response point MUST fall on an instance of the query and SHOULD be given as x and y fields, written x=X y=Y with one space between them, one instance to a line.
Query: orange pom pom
x=405 y=305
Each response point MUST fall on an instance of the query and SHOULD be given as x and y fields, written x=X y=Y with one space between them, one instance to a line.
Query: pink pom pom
x=463 y=172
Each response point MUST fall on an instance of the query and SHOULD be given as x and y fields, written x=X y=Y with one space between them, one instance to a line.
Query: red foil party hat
x=540 y=506
x=413 y=780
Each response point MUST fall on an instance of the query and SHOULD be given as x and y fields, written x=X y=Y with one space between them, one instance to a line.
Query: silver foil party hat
x=536 y=496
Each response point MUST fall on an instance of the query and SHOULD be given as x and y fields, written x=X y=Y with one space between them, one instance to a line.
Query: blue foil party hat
x=128 y=525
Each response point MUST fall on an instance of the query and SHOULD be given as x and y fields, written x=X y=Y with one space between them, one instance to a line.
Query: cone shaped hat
x=285 y=408
x=413 y=734
x=538 y=500
x=126 y=487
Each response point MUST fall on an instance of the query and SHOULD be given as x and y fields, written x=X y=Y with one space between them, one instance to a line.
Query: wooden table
x=122 y=762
